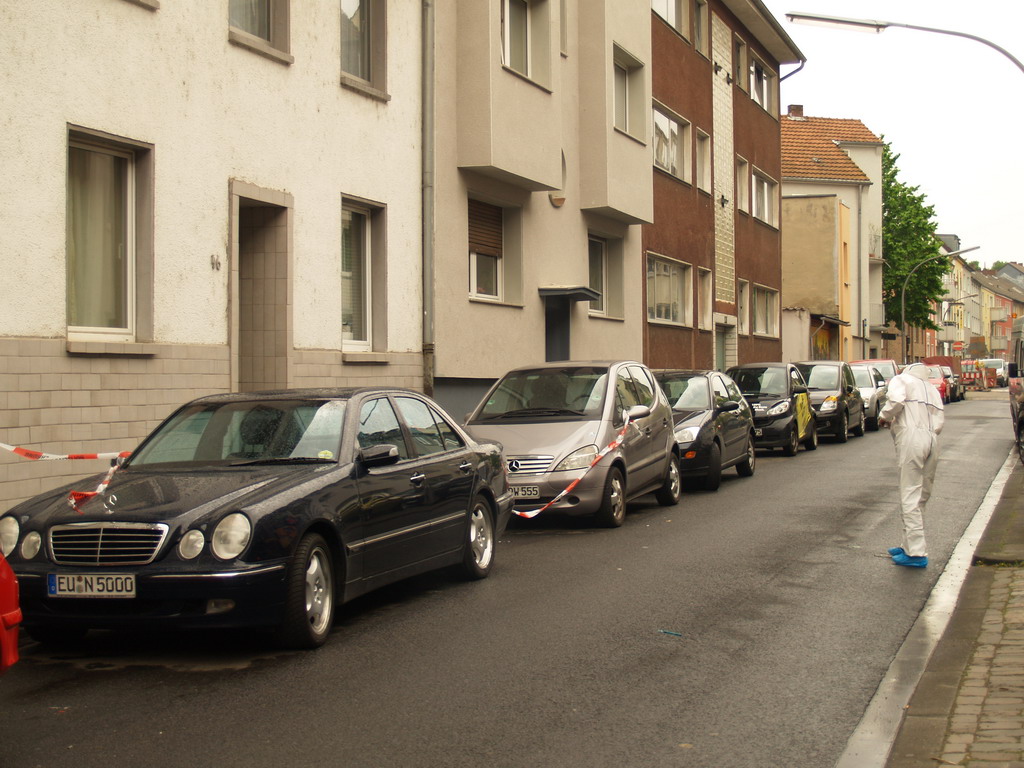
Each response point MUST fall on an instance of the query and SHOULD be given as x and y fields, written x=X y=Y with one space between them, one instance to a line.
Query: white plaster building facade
x=201 y=197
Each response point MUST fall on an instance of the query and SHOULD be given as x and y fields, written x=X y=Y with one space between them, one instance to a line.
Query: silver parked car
x=554 y=420
x=874 y=389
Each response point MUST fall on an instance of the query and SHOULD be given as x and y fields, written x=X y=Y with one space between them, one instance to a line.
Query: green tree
x=908 y=238
x=997 y=265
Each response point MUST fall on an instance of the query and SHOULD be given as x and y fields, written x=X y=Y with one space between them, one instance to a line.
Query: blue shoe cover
x=896 y=550
x=910 y=561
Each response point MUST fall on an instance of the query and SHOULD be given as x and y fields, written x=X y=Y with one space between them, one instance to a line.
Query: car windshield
x=761 y=381
x=863 y=377
x=820 y=376
x=686 y=393
x=935 y=372
x=547 y=393
x=886 y=368
x=247 y=432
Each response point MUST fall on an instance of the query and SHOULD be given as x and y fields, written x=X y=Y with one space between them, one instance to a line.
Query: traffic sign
x=958 y=346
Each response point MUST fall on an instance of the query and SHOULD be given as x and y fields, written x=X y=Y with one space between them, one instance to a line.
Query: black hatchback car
x=777 y=393
x=714 y=425
x=261 y=510
x=835 y=397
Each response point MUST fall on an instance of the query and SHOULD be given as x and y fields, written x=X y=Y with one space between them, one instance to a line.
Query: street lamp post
x=903 y=293
x=874 y=25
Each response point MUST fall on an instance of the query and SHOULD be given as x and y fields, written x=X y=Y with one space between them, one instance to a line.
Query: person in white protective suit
x=914 y=413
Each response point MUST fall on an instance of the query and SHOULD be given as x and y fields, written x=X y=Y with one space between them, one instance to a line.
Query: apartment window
x=765 y=202
x=701 y=27
x=762 y=85
x=355 y=277
x=630 y=116
x=598 y=258
x=672 y=145
x=766 y=310
x=743 y=307
x=703 y=161
x=742 y=185
x=673 y=12
x=486 y=229
x=526 y=38
x=108 y=238
x=669 y=291
x=363 y=45
x=706 y=308
x=262 y=26
x=739 y=63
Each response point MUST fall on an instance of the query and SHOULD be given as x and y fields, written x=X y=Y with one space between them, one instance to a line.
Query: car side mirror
x=799 y=389
x=638 y=412
x=119 y=461
x=379 y=455
x=728 y=405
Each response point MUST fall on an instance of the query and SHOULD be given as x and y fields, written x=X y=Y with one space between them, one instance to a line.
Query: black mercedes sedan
x=714 y=425
x=260 y=509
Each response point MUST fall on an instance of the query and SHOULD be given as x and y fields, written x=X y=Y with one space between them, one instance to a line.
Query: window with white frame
x=743 y=307
x=739 y=63
x=526 y=38
x=628 y=87
x=672 y=144
x=263 y=26
x=363 y=46
x=104 y=221
x=669 y=291
x=597 y=252
x=765 y=311
x=765 y=198
x=701 y=28
x=706 y=305
x=742 y=185
x=674 y=12
x=703 y=161
x=486 y=247
x=763 y=84
x=355 y=277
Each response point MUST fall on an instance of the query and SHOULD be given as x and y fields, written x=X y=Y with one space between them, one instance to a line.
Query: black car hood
x=173 y=496
x=818 y=396
x=689 y=417
x=764 y=400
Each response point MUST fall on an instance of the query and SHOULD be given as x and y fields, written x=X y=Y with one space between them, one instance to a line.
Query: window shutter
x=485 y=228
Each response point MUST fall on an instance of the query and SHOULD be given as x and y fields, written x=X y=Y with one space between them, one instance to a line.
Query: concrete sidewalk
x=968 y=708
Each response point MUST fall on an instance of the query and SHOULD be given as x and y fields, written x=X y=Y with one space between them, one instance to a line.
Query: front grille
x=106 y=544
x=529 y=465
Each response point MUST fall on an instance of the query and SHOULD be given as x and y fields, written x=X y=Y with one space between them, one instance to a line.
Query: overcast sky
x=953 y=109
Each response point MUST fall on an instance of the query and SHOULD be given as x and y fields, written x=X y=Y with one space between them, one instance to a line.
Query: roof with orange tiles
x=810 y=149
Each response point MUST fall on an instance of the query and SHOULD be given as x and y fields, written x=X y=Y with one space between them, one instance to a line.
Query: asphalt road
x=747 y=627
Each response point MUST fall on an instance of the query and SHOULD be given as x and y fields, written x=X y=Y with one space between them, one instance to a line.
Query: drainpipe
x=427 y=152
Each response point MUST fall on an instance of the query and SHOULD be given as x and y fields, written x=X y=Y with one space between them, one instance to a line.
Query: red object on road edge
x=10 y=616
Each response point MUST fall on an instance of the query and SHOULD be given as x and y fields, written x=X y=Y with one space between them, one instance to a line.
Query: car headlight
x=778 y=410
x=581 y=458
x=191 y=544
x=686 y=435
x=31 y=545
x=231 y=536
x=829 y=404
x=8 y=535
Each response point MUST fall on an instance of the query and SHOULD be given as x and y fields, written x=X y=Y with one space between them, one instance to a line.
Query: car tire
x=746 y=467
x=811 y=442
x=791 y=447
x=713 y=479
x=672 y=489
x=309 y=599
x=57 y=637
x=843 y=427
x=858 y=431
x=873 y=421
x=612 y=512
x=479 y=556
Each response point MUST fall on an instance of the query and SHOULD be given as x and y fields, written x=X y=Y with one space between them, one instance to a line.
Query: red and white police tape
x=604 y=452
x=75 y=497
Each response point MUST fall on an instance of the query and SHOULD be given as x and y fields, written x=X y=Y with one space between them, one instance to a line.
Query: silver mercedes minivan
x=554 y=419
